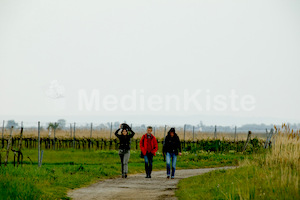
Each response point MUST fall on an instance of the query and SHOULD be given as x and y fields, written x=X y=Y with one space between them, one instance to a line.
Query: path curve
x=137 y=186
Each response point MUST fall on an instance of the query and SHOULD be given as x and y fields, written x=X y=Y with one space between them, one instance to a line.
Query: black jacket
x=172 y=144
x=124 y=139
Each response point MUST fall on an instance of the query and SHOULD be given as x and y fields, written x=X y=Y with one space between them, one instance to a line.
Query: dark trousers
x=148 y=163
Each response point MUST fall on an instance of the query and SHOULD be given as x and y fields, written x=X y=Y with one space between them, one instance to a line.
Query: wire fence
x=106 y=131
x=88 y=136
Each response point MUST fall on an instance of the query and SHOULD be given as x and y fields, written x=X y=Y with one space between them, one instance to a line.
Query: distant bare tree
x=11 y=123
x=61 y=123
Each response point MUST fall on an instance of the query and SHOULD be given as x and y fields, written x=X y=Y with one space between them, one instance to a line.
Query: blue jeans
x=148 y=163
x=168 y=160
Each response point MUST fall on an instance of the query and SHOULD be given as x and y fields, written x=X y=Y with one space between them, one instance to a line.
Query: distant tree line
x=62 y=124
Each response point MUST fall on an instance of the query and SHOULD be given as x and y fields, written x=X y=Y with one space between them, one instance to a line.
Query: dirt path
x=137 y=186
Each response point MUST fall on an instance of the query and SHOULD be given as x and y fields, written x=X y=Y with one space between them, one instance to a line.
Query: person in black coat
x=124 y=146
x=171 y=149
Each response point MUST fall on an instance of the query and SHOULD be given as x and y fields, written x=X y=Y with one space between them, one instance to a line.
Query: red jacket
x=144 y=144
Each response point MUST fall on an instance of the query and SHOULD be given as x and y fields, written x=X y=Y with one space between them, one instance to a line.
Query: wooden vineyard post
x=273 y=138
x=91 y=130
x=236 y=139
x=41 y=159
x=8 y=145
x=54 y=130
x=269 y=136
x=110 y=129
x=20 y=155
x=247 y=141
x=74 y=136
x=215 y=133
x=70 y=130
x=184 y=127
x=39 y=144
x=234 y=133
x=193 y=133
x=154 y=131
x=49 y=137
x=90 y=142
x=15 y=154
x=3 y=134
x=165 y=131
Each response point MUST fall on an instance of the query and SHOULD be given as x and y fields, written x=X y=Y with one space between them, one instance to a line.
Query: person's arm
x=116 y=133
x=132 y=133
x=164 y=146
x=164 y=150
x=142 y=145
x=155 y=147
x=179 y=146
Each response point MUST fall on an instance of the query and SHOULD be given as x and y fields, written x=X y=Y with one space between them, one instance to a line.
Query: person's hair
x=172 y=130
x=149 y=127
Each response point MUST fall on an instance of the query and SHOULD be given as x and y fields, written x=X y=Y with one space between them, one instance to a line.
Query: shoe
x=168 y=177
x=149 y=176
x=172 y=177
x=125 y=175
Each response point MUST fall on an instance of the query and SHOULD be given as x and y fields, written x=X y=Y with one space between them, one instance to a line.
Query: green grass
x=247 y=182
x=68 y=169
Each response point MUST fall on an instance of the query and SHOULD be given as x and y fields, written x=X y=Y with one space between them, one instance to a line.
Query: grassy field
x=67 y=169
x=273 y=175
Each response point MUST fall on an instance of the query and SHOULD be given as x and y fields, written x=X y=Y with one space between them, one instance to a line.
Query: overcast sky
x=55 y=54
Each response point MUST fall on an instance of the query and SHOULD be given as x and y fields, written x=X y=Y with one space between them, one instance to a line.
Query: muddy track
x=137 y=186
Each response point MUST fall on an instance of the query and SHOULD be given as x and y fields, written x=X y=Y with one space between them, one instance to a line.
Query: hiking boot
x=168 y=177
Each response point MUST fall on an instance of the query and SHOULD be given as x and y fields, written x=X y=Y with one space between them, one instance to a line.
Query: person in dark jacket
x=124 y=146
x=171 y=149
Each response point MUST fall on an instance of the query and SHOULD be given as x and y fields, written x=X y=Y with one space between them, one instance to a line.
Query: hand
x=179 y=154
x=120 y=126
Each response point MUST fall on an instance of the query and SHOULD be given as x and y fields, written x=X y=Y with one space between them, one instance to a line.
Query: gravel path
x=137 y=186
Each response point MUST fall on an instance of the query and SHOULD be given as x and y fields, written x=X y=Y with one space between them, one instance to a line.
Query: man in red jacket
x=148 y=145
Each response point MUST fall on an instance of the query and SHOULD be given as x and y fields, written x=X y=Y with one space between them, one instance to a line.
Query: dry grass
x=286 y=148
x=277 y=172
x=285 y=155
x=159 y=134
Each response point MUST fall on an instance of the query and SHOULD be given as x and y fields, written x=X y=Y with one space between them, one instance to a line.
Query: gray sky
x=154 y=47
